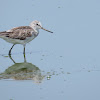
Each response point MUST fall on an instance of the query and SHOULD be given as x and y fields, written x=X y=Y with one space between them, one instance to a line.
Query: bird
x=22 y=34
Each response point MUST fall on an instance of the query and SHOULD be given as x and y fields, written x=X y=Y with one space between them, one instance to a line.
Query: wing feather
x=18 y=33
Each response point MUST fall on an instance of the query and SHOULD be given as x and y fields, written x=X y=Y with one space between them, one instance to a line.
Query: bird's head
x=37 y=25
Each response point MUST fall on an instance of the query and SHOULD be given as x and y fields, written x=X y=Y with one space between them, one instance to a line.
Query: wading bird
x=22 y=35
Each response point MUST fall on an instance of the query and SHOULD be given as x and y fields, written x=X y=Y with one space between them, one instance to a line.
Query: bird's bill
x=46 y=30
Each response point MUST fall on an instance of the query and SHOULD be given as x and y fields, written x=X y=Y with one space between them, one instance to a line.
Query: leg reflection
x=14 y=61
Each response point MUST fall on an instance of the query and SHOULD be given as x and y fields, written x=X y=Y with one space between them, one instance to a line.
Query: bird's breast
x=28 y=39
x=35 y=33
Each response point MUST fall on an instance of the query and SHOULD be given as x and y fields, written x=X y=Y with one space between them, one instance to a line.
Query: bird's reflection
x=23 y=71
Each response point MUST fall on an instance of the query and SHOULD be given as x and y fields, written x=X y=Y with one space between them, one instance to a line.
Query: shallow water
x=59 y=66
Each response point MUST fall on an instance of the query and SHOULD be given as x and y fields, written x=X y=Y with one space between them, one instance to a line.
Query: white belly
x=18 y=41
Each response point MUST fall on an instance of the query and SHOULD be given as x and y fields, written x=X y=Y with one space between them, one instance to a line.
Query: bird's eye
x=37 y=24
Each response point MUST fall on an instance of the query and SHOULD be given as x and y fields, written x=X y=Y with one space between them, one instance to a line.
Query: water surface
x=59 y=66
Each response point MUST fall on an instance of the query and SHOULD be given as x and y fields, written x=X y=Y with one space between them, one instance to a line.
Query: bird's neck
x=34 y=28
x=36 y=31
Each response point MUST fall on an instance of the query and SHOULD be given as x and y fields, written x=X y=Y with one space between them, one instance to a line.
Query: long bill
x=46 y=30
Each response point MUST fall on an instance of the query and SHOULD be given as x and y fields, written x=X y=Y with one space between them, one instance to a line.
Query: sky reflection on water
x=68 y=59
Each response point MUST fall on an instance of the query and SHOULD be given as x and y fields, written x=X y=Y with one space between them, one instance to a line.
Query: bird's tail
x=4 y=34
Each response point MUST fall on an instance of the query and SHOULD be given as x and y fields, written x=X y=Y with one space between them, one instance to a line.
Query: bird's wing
x=19 y=32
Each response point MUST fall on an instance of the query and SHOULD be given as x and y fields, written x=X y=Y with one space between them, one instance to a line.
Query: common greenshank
x=23 y=34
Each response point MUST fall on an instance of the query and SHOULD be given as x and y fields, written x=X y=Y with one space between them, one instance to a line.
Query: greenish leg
x=11 y=49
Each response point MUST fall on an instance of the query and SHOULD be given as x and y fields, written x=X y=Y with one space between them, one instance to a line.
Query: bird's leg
x=24 y=53
x=11 y=59
x=24 y=50
x=11 y=49
x=24 y=58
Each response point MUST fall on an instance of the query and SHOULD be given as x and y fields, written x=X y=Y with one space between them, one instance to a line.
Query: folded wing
x=21 y=32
